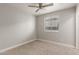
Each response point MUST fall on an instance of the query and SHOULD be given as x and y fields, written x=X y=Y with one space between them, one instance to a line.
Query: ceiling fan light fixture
x=41 y=6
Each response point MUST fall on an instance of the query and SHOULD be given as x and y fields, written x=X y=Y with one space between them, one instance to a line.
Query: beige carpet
x=41 y=48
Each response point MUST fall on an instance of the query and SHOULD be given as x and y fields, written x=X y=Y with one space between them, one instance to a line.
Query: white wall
x=66 y=32
x=16 y=26
x=77 y=26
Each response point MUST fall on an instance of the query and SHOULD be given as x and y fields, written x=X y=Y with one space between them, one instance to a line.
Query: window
x=51 y=24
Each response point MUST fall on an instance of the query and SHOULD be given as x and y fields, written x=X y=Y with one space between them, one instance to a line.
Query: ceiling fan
x=41 y=6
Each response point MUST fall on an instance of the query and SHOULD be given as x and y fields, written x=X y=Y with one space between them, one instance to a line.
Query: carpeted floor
x=41 y=48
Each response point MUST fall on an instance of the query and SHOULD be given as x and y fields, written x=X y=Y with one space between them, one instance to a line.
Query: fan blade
x=37 y=10
x=51 y=4
x=33 y=6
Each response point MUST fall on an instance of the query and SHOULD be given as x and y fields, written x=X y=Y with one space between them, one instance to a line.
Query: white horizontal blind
x=51 y=24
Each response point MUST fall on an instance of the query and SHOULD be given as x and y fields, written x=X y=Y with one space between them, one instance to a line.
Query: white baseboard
x=57 y=43
x=6 y=49
x=48 y=41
